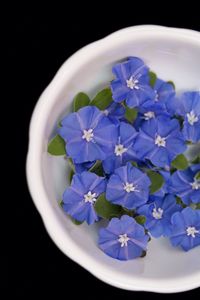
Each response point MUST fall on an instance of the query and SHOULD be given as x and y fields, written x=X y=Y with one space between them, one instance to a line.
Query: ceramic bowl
x=173 y=54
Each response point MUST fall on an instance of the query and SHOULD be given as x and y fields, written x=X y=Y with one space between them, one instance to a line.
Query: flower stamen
x=191 y=231
x=89 y=197
x=120 y=149
x=192 y=118
x=123 y=239
x=129 y=187
x=160 y=141
x=88 y=135
x=157 y=213
x=149 y=115
x=195 y=185
x=132 y=83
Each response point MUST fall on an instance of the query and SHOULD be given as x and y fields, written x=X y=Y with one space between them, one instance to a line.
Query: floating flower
x=160 y=141
x=79 y=198
x=128 y=186
x=89 y=134
x=185 y=231
x=123 y=239
x=190 y=110
x=123 y=150
x=158 y=214
x=185 y=185
x=131 y=83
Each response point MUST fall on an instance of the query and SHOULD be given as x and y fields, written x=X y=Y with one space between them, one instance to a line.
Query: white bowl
x=173 y=54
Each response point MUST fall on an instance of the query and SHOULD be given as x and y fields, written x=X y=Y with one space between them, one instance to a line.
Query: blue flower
x=79 y=198
x=164 y=91
x=89 y=135
x=79 y=168
x=160 y=141
x=131 y=83
x=128 y=186
x=123 y=150
x=185 y=231
x=158 y=214
x=115 y=112
x=190 y=109
x=123 y=239
x=150 y=110
x=185 y=185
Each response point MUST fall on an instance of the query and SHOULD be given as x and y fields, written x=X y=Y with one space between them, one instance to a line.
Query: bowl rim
x=34 y=172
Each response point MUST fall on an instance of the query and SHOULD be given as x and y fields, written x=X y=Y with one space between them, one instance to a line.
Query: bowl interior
x=172 y=57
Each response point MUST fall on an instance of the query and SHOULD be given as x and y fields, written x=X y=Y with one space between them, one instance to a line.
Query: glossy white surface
x=172 y=53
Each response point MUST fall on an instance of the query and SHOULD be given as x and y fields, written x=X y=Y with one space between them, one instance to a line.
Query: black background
x=37 y=43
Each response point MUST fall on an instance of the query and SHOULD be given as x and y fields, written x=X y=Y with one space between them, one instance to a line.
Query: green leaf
x=140 y=219
x=134 y=164
x=152 y=78
x=71 y=164
x=60 y=203
x=180 y=162
x=130 y=114
x=76 y=222
x=156 y=181
x=196 y=160
x=59 y=125
x=71 y=174
x=128 y=212
x=103 y=99
x=172 y=83
x=198 y=205
x=105 y=209
x=180 y=202
x=197 y=176
x=97 y=168
x=56 y=146
x=80 y=100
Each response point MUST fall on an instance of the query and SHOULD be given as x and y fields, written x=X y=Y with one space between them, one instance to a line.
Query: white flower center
x=106 y=112
x=120 y=149
x=191 y=230
x=129 y=187
x=88 y=135
x=132 y=83
x=123 y=239
x=89 y=197
x=149 y=115
x=160 y=141
x=195 y=185
x=156 y=96
x=192 y=118
x=157 y=213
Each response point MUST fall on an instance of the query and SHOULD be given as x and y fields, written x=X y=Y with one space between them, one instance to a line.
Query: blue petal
x=71 y=122
x=175 y=145
x=119 y=91
x=191 y=132
x=160 y=157
x=133 y=99
x=88 y=117
x=127 y=133
x=167 y=127
x=144 y=145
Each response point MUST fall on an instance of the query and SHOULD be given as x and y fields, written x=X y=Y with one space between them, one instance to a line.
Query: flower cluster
x=126 y=151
